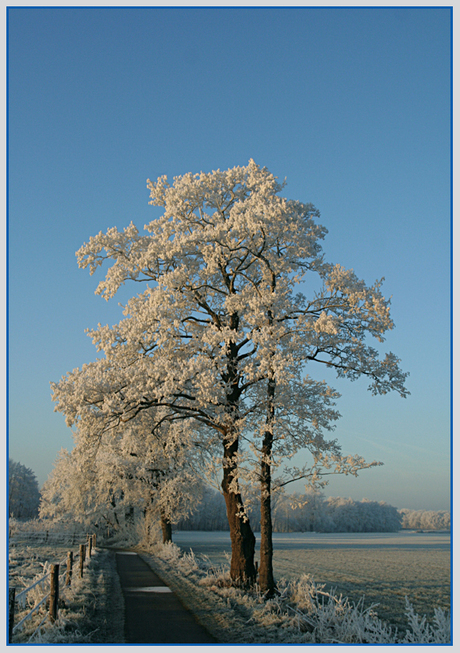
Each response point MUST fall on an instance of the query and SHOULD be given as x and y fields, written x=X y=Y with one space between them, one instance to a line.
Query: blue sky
x=351 y=105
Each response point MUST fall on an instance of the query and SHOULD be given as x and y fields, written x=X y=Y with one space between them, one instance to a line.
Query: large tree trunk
x=166 y=528
x=266 y=579
x=242 y=569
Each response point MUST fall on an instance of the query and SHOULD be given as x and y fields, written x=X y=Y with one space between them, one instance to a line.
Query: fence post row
x=54 y=592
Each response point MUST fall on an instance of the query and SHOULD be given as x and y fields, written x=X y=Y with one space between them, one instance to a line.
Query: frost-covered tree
x=430 y=520
x=68 y=493
x=23 y=492
x=348 y=516
x=222 y=338
x=123 y=473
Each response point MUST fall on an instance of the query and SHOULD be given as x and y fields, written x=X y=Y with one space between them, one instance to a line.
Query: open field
x=384 y=567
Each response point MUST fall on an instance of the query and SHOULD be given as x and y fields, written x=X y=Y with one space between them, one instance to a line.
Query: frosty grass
x=93 y=608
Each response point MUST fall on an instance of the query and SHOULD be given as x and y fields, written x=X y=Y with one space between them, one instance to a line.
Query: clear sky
x=351 y=105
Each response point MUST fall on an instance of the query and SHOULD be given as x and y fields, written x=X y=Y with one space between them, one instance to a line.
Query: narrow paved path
x=153 y=614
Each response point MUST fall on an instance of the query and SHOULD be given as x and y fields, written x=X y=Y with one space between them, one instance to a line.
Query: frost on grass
x=91 y=610
x=302 y=612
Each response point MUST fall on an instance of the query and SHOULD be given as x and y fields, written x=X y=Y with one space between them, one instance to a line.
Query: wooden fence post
x=82 y=559
x=54 y=592
x=11 y=600
x=94 y=540
x=68 y=576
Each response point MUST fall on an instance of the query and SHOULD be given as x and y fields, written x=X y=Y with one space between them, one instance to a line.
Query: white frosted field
x=384 y=567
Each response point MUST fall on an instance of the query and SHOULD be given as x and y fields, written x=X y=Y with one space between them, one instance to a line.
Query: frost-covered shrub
x=422 y=632
x=186 y=563
x=331 y=618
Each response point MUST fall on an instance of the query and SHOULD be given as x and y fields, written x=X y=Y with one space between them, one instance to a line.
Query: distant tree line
x=312 y=511
x=23 y=492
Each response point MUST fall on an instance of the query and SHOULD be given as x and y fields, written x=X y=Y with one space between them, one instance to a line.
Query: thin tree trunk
x=266 y=579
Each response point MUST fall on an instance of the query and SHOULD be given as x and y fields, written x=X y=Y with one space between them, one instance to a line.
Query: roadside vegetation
x=301 y=612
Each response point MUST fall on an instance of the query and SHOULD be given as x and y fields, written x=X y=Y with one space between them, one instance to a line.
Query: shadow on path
x=153 y=614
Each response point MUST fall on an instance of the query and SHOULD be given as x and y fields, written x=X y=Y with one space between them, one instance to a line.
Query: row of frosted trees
x=238 y=312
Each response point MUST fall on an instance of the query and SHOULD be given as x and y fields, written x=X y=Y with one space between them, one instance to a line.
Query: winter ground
x=382 y=567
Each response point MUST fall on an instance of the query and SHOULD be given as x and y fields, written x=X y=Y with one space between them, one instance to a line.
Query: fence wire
x=29 y=614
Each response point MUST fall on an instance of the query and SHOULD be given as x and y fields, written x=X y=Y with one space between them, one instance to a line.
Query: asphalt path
x=153 y=613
